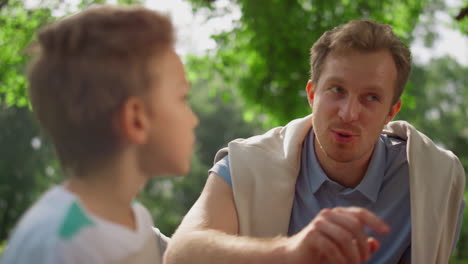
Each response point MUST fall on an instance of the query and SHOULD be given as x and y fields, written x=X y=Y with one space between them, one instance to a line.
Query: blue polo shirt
x=384 y=190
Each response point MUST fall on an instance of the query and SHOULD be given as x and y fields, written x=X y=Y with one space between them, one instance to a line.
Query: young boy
x=111 y=92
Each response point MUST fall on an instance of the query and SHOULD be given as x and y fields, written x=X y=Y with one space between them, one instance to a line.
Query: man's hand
x=209 y=233
x=337 y=236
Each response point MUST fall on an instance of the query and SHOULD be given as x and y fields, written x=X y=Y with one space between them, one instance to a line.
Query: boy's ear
x=133 y=121
x=310 y=92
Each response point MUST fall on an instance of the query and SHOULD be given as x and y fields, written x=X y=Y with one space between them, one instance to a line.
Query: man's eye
x=371 y=97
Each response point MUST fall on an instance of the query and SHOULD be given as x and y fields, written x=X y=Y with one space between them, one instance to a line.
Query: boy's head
x=106 y=81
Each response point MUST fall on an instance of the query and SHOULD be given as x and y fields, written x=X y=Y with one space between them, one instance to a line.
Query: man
x=337 y=185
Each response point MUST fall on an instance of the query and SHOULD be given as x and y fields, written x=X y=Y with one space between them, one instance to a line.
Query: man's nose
x=350 y=109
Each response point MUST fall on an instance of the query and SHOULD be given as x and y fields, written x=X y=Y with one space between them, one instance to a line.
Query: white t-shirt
x=58 y=229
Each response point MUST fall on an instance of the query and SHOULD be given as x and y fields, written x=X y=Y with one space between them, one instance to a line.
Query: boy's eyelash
x=336 y=88
x=374 y=97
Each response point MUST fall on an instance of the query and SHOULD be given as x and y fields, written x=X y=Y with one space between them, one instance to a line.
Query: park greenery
x=253 y=80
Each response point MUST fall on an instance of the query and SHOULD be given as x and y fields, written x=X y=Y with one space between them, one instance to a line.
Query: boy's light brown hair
x=363 y=36
x=85 y=67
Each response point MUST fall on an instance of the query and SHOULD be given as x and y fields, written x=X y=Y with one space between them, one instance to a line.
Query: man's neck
x=109 y=193
x=348 y=174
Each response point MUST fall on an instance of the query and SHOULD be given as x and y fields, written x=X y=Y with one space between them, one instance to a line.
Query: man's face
x=172 y=120
x=351 y=103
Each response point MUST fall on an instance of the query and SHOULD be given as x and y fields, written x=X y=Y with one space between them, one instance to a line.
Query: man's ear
x=393 y=111
x=133 y=121
x=310 y=92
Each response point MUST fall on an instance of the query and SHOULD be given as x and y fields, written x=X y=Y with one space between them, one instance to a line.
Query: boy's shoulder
x=57 y=214
x=56 y=217
x=57 y=229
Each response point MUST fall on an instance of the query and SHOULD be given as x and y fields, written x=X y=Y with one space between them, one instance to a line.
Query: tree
x=266 y=55
x=17 y=27
x=26 y=165
x=440 y=110
x=462 y=18
x=440 y=105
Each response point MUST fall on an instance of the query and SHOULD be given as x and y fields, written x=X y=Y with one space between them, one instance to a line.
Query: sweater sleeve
x=459 y=224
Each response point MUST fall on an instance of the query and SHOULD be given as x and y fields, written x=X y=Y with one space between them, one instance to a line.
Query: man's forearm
x=211 y=246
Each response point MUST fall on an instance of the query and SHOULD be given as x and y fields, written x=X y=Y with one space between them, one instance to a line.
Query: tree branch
x=3 y=3
x=463 y=13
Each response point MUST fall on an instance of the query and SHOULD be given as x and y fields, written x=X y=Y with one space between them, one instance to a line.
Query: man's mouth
x=343 y=136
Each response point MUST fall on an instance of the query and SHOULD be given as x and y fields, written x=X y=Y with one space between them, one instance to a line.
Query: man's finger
x=367 y=218
x=374 y=244
x=353 y=226
x=330 y=251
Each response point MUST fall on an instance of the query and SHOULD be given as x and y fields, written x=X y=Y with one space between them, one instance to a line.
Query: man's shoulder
x=393 y=143
x=395 y=157
x=275 y=138
x=265 y=139
x=424 y=153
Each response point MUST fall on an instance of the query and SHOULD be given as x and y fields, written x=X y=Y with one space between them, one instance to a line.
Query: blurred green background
x=253 y=79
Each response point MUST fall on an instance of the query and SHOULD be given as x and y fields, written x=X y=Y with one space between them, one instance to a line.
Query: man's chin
x=342 y=157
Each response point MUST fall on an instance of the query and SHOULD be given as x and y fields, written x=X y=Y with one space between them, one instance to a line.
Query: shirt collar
x=372 y=181
x=313 y=167
x=370 y=184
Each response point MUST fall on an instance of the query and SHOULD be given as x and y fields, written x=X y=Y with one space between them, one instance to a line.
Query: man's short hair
x=362 y=36
x=85 y=67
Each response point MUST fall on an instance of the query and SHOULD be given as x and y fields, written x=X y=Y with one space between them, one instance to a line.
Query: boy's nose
x=195 y=119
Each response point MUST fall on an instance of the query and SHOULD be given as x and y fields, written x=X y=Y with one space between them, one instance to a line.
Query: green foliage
x=168 y=199
x=440 y=90
x=17 y=27
x=25 y=165
x=17 y=31
x=266 y=55
x=129 y=2
x=462 y=24
x=2 y=248
x=454 y=260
